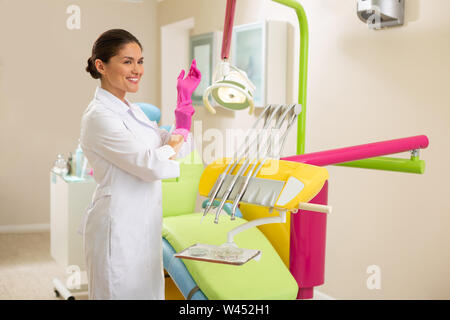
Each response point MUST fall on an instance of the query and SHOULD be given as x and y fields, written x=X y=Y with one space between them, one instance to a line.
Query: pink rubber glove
x=184 y=110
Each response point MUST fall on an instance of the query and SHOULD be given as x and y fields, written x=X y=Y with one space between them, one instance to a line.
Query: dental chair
x=266 y=279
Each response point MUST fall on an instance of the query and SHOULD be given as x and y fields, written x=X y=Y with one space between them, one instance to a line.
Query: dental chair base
x=307 y=246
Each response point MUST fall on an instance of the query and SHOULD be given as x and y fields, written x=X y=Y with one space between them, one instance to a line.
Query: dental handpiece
x=253 y=172
x=267 y=121
x=221 y=180
x=283 y=138
x=224 y=174
x=242 y=189
x=241 y=192
x=230 y=188
x=216 y=190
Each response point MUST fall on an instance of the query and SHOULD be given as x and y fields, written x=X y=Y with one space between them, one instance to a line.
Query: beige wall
x=365 y=86
x=44 y=90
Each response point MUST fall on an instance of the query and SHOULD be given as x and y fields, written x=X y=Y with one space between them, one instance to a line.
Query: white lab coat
x=122 y=226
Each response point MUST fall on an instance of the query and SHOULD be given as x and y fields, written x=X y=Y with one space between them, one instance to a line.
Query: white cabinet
x=69 y=198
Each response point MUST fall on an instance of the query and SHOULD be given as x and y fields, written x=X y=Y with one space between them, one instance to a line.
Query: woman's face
x=123 y=71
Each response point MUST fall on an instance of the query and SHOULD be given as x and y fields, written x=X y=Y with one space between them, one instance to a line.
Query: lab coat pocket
x=100 y=194
x=113 y=247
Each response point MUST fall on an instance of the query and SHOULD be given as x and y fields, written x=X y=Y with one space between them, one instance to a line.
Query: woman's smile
x=133 y=80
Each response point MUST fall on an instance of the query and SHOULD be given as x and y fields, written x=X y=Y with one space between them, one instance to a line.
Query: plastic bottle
x=79 y=156
x=60 y=166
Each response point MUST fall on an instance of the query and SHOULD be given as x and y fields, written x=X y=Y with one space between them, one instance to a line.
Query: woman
x=130 y=155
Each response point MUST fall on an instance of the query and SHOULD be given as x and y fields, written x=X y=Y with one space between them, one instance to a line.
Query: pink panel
x=307 y=246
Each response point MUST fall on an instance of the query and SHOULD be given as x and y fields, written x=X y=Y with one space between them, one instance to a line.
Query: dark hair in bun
x=108 y=45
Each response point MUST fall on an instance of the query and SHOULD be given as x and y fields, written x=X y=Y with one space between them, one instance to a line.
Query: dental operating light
x=231 y=88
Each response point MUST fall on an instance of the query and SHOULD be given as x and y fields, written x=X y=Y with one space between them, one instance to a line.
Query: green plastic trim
x=388 y=164
x=185 y=187
x=303 y=70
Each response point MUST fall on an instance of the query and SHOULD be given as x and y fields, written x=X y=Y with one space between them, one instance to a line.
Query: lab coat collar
x=120 y=107
x=111 y=101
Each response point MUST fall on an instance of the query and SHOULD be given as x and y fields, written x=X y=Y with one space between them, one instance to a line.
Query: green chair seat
x=265 y=279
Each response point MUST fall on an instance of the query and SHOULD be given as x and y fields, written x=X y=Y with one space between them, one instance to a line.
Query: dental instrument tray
x=225 y=254
x=279 y=184
x=254 y=175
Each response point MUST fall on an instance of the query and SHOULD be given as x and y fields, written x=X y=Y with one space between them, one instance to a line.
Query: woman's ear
x=99 y=65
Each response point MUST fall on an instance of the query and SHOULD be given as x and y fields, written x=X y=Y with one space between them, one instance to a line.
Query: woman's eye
x=128 y=62
x=141 y=62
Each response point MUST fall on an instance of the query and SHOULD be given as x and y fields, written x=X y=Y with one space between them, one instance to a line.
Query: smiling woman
x=117 y=60
x=129 y=155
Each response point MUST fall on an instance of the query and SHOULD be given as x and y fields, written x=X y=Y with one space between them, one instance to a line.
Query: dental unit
x=285 y=198
x=285 y=186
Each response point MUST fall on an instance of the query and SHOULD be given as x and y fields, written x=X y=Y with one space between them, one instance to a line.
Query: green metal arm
x=388 y=164
x=303 y=72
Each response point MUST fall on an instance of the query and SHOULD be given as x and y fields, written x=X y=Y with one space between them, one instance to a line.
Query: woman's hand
x=184 y=110
x=186 y=86
x=175 y=141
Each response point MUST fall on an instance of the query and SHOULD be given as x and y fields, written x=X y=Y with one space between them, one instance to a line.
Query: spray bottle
x=79 y=160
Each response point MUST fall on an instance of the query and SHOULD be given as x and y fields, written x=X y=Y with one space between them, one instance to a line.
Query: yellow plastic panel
x=311 y=176
x=278 y=234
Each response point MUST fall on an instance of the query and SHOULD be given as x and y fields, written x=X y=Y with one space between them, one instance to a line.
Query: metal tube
x=364 y=151
x=388 y=164
x=254 y=223
x=303 y=70
x=228 y=29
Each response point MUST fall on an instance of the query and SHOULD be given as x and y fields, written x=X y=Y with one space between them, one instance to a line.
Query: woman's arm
x=106 y=135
